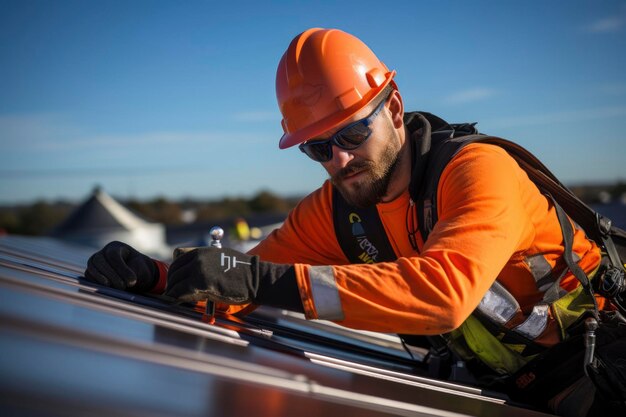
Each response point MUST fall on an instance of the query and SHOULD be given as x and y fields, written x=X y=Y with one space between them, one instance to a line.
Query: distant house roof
x=101 y=219
x=100 y=212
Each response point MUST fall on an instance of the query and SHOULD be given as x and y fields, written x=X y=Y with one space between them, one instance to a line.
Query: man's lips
x=352 y=173
x=351 y=170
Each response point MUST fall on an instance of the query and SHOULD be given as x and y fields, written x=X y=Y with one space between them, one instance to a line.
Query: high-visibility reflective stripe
x=545 y=278
x=535 y=324
x=553 y=293
x=541 y=270
x=325 y=293
x=498 y=304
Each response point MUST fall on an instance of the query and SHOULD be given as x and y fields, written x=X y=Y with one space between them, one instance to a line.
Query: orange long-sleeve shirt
x=492 y=219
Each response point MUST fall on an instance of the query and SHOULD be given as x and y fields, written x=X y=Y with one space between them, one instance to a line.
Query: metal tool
x=217 y=234
x=591 y=325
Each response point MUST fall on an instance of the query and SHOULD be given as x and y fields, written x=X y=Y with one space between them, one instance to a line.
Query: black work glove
x=119 y=266
x=231 y=277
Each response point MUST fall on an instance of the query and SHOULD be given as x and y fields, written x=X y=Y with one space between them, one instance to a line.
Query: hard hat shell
x=324 y=78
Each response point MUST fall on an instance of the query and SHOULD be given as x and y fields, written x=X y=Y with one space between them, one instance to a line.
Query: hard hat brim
x=317 y=129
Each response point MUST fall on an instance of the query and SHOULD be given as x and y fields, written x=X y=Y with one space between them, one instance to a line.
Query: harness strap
x=360 y=232
x=605 y=228
x=434 y=143
x=568 y=240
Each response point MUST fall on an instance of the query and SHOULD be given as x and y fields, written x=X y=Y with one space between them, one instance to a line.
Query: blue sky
x=150 y=98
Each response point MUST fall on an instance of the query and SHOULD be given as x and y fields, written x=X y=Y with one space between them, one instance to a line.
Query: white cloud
x=18 y=130
x=609 y=24
x=470 y=95
x=614 y=89
x=557 y=117
x=257 y=116
x=50 y=131
x=146 y=138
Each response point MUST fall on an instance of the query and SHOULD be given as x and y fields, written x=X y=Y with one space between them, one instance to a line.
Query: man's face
x=362 y=175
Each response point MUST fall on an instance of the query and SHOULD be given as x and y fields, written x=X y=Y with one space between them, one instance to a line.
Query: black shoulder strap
x=568 y=241
x=360 y=232
x=596 y=226
x=434 y=143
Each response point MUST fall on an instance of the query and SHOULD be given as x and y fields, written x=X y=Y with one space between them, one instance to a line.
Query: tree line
x=40 y=217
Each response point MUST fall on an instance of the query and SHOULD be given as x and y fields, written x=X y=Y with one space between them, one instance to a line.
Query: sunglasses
x=348 y=138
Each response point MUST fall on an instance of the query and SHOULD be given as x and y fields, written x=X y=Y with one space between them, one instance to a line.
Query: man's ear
x=396 y=107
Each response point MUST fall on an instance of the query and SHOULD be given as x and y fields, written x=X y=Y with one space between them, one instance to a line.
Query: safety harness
x=485 y=334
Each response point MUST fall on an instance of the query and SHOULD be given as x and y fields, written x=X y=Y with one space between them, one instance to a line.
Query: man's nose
x=341 y=157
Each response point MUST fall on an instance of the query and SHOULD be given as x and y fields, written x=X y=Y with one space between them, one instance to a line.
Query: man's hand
x=217 y=274
x=231 y=277
x=119 y=266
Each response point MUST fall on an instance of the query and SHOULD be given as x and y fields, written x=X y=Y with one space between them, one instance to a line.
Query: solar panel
x=70 y=347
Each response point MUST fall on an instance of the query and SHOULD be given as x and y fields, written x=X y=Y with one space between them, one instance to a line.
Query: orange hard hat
x=324 y=78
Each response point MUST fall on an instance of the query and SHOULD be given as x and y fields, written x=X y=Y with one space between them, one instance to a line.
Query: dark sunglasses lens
x=320 y=152
x=353 y=136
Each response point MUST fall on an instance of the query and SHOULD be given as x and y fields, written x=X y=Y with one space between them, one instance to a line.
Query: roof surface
x=72 y=348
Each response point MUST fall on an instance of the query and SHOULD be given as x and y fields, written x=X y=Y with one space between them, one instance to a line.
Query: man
x=496 y=249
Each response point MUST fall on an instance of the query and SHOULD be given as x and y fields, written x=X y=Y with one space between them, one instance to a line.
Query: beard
x=369 y=190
